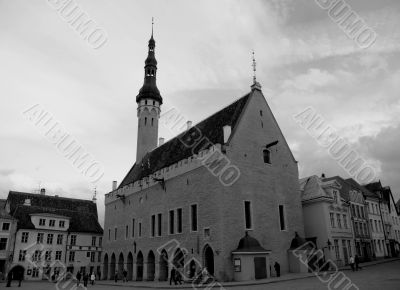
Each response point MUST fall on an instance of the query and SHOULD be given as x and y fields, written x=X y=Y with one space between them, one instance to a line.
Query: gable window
x=247 y=215
x=193 y=213
x=171 y=222
x=282 y=218
x=42 y=222
x=6 y=226
x=267 y=156
x=52 y=223
x=61 y=224
x=24 y=237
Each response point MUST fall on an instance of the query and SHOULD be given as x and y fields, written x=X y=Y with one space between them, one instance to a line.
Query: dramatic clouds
x=203 y=50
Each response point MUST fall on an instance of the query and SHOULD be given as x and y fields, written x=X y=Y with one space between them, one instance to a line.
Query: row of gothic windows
x=145 y=121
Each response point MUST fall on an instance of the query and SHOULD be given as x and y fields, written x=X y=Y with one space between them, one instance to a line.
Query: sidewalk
x=286 y=277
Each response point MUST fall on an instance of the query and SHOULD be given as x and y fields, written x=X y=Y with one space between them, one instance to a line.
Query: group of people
x=124 y=276
x=85 y=277
x=176 y=277
x=354 y=263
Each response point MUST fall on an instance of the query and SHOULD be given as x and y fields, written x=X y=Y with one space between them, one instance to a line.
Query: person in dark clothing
x=20 y=275
x=178 y=277
x=277 y=269
x=85 y=279
x=9 y=279
x=78 y=278
x=125 y=274
x=173 y=276
x=116 y=277
x=357 y=262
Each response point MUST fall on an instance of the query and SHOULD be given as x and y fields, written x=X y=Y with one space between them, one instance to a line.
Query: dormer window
x=267 y=156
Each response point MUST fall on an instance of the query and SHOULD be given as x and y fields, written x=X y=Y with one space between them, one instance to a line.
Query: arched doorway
x=139 y=266
x=163 y=276
x=112 y=267
x=105 y=267
x=179 y=259
x=18 y=272
x=129 y=265
x=120 y=265
x=208 y=258
x=151 y=266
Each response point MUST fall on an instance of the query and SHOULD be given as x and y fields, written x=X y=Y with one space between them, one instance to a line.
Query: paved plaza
x=382 y=276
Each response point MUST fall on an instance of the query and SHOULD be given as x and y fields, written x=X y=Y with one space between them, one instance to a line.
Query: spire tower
x=149 y=102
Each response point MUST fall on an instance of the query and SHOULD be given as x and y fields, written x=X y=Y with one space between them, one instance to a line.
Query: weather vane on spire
x=254 y=69
x=152 y=24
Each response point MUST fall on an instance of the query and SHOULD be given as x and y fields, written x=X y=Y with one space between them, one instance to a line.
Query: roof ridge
x=51 y=196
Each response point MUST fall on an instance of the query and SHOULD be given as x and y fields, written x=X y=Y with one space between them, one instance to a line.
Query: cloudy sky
x=203 y=50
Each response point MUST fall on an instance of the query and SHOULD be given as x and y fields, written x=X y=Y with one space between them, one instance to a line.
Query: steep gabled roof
x=82 y=213
x=174 y=150
x=345 y=187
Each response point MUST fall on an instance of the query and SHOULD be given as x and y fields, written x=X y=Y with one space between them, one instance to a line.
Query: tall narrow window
x=140 y=229
x=282 y=218
x=152 y=121
x=267 y=156
x=126 y=231
x=171 y=222
x=115 y=234
x=332 y=218
x=247 y=214
x=193 y=212
x=133 y=228
x=109 y=234
x=339 y=221
x=179 y=220
x=145 y=121
x=153 y=225
x=159 y=221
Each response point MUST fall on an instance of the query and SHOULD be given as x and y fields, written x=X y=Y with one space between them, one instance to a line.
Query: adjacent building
x=7 y=234
x=54 y=235
x=223 y=195
x=327 y=223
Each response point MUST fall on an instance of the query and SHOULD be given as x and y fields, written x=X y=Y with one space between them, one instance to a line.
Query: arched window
x=267 y=156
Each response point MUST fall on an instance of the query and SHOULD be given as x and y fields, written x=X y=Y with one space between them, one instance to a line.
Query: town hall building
x=221 y=196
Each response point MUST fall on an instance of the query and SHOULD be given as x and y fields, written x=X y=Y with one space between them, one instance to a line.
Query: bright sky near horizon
x=204 y=56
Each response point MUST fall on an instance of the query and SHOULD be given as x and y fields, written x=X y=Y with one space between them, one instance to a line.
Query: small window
x=140 y=229
x=282 y=219
x=115 y=233
x=193 y=212
x=52 y=223
x=87 y=254
x=159 y=221
x=171 y=222
x=261 y=113
x=61 y=224
x=152 y=121
x=267 y=156
x=247 y=215
x=179 y=220
x=93 y=241
x=154 y=103
x=145 y=102
x=237 y=263
x=207 y=233
x=126 y=231
x=145 y=119
x=153 y=225
x=42 y=222
x=6 y=226
x=3 y=244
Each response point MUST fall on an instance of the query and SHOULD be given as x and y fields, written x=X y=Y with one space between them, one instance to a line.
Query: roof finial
x=254 y=69
x=152 y=24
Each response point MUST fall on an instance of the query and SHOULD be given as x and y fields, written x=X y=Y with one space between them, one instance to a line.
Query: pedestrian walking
x=173 y=276
x=78 y=278
x=125 y=274
x=178 y=276
x=20 y=275
x=85 y=279
x=277 y=269
x=9 y=279
x=92 y=278
x=116 y=277
x=357 y=262
x=351 y=262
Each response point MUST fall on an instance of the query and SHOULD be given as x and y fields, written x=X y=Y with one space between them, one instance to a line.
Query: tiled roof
x=345 y=187
x=174 y=150
x=3 y=213
x=82 y=213
x=366 y=192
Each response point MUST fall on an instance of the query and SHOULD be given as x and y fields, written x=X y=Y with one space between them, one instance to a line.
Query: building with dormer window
x=54 y=236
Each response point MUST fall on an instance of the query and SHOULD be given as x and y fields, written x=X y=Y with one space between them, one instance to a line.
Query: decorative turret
x=149 y=101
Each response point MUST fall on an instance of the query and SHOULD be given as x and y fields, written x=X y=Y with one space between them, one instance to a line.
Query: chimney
x=227 y=133
x=188 y=125
x=43 y=191
x=160 y=141
x=114 y=185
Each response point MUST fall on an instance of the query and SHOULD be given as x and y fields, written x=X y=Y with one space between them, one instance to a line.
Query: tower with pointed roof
x=149 y=103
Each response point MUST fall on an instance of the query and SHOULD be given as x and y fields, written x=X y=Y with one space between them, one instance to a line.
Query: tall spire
x=256 y=85
x=149 y=89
